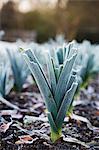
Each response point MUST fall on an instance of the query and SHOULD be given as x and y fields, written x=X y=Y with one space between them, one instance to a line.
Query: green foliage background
x=76 y=20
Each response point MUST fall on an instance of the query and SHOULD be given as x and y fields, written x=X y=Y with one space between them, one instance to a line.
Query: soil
x=31 y=104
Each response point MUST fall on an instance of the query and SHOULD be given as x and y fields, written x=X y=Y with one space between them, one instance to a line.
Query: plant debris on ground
x=29 y=128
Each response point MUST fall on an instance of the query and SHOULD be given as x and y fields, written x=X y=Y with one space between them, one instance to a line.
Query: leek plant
x=88 y=64
x=6 y=80
x=19 y=69
x=89 y=67
x=57 y=86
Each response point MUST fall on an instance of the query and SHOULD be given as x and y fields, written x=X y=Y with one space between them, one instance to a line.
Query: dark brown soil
x=32 y=105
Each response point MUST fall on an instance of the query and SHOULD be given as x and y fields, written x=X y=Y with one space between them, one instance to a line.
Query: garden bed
x=29 y=129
